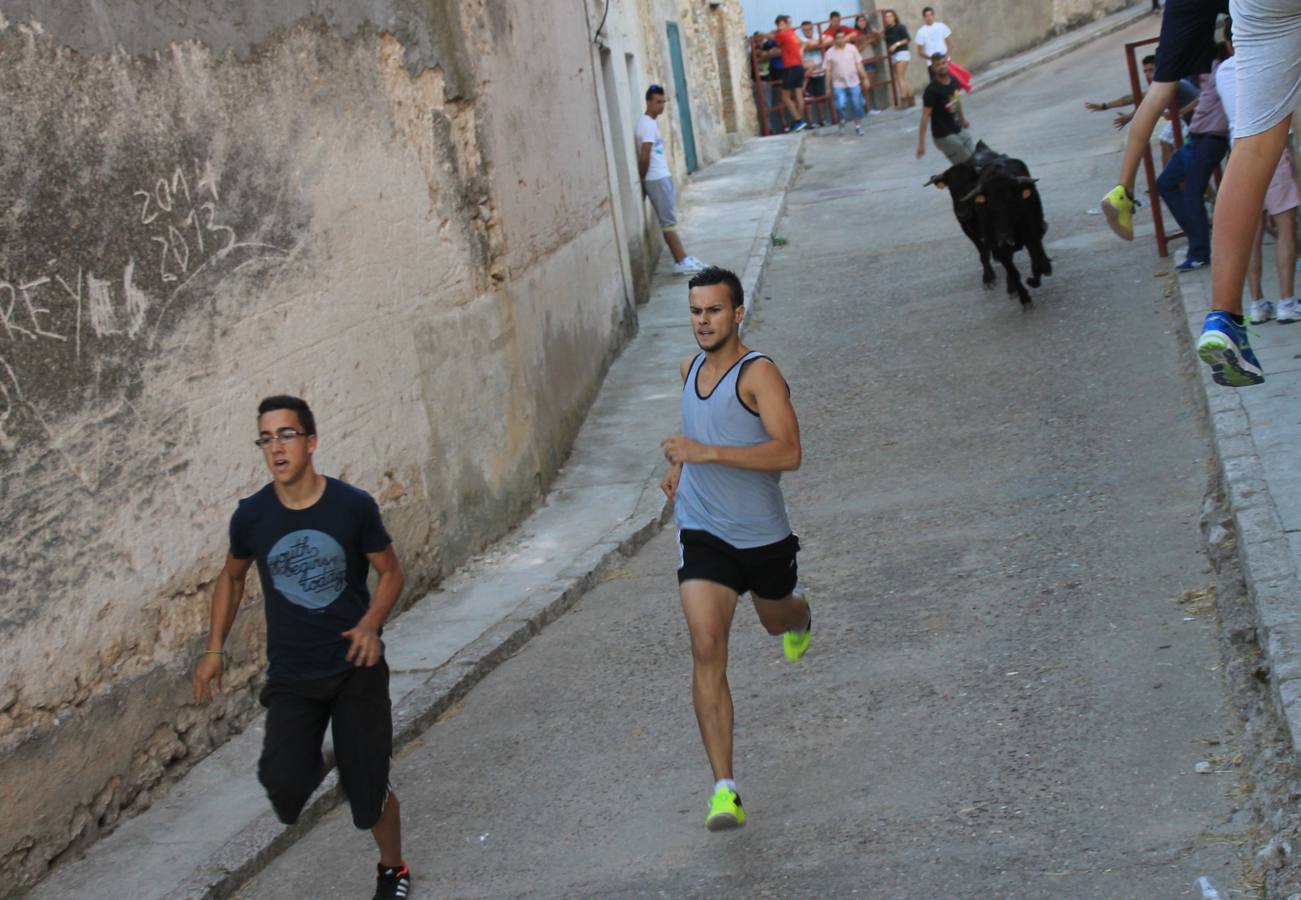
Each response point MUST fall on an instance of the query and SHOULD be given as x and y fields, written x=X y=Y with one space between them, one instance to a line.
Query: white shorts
x=1267 y=42
x=901 y=56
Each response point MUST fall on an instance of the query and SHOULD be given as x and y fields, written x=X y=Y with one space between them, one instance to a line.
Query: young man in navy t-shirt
x=314 y=540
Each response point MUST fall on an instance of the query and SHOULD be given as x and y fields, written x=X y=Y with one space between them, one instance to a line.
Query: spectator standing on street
x=792 y=47
x=657 y=180
x=739 y=433
x=1267 y=40
x=942 y=108
x=897 y=48
x=1282 y=200
x=1182 y=183
x=845 y=68
x=815 y=75
x=933 y=37
x=866 y=41
x=770 y=56
x=314 y=540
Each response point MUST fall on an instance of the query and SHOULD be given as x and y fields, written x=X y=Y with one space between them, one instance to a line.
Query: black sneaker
x=392 y=883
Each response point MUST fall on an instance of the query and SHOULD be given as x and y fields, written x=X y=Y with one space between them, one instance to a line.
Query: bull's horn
x=1025 y=179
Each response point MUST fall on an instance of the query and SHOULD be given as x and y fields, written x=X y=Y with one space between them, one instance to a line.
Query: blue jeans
x=851 y=97
x=1192 y=165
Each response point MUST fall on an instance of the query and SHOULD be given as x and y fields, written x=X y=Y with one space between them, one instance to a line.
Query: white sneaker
x=689 y=266
x=858 y=130
x=1288 y=311
x=1262 y=311
x=874 y=112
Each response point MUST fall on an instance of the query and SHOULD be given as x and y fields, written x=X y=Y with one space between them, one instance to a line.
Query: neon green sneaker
x=796 y=643
x=725 y=811
x=1118 y=207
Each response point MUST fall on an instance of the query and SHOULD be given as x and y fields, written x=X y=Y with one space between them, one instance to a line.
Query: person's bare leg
x=709 y=608
x=799 y=101
x=780 y=616
x=388 y=833
x=1242 y=195
x=674 y=244
x=1254 y=264
x=1155 y=102
x=1285 y=253
x=905 y=89
x=788 y=101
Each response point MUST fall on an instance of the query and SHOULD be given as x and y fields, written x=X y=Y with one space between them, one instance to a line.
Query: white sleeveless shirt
x=740 y=506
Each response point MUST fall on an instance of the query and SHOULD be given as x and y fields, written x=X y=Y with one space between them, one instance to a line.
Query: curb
x=1078 y=38
x=1270 y=574
x=247 y=854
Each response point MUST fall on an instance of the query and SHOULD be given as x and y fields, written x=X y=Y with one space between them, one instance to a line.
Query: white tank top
x=740 y=506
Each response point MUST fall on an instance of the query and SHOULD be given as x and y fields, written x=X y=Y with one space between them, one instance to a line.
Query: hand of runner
x=1094 y=107
x=207 y=676
x=366 y=648
x=1121 y=120
x=669 y=483
x=678 y=449
x=921 y=150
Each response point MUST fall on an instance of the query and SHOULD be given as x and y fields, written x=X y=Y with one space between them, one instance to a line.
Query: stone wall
x=407 y=211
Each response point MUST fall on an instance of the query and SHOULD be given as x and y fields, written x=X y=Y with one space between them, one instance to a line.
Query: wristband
x=222 y=653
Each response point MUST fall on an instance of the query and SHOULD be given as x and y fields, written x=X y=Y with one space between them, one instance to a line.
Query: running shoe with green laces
x=725 y=811
x=796 y=643
x=1118 y=207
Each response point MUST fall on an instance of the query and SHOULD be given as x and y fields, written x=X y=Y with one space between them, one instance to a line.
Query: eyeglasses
x=285 y=436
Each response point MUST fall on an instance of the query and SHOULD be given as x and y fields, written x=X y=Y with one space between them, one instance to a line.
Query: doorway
x=681 y=96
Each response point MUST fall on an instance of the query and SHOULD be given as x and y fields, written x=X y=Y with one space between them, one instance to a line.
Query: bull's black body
x=997 y=205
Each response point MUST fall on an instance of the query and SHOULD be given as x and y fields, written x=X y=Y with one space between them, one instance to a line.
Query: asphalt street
x=999 y=512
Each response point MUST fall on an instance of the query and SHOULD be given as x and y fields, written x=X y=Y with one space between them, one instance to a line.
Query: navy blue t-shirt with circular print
x=313 y=567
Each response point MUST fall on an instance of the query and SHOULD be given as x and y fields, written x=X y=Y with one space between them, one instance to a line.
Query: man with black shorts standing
x=792 y=48
x=739 y=433
x=314 y=540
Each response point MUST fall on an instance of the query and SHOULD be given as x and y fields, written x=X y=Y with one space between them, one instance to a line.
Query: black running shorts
x=1187 y=46
x=793 y=77
x=769 y=572
x=356 y=706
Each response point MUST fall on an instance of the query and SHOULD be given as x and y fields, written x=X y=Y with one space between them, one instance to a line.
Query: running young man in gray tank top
x=739 y=433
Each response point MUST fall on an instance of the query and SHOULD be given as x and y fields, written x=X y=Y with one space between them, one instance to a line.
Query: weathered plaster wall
x=388 y=206
x=993 y=29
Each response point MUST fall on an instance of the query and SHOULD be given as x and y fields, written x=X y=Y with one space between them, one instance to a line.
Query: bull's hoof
x=1015 y=289
x=1033 y=281
x=989 y=283
x=1027 y=303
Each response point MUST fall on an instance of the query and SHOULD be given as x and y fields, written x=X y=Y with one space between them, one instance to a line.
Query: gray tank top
x=743 y=507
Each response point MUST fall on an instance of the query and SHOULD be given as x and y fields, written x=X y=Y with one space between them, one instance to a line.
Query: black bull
x=998 y=207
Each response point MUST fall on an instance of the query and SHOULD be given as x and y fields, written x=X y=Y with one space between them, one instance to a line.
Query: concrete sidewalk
x=1257 y=432
x=214 y=829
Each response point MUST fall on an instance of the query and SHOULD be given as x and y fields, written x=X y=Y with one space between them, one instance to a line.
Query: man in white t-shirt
x=657 y=180
x=1282 y=198
x=933 y=37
